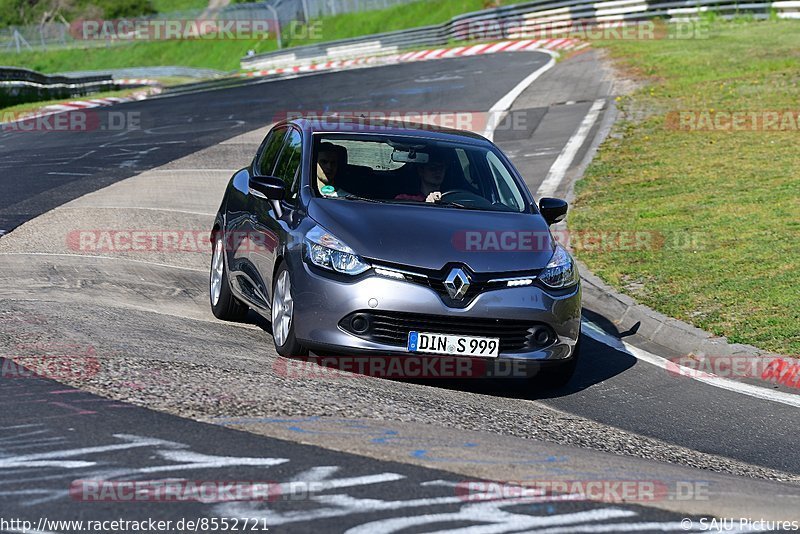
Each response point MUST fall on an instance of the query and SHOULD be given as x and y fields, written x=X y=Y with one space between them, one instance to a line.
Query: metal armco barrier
x=518 y=21
x=18 y=86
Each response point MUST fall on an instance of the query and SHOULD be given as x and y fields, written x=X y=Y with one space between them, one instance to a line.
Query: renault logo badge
x=457 y=283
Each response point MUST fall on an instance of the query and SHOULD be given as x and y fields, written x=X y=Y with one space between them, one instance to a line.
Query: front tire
x=283 y=315
x=223 y=304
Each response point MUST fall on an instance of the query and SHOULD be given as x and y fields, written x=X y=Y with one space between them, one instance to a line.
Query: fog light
x=359 y=323
x=541 y=335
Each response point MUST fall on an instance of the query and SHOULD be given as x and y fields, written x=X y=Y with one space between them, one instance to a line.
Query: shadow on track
x=598 y=362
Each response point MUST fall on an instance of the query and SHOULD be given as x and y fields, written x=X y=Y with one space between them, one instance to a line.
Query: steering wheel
x=462 y=196
x=454 y=191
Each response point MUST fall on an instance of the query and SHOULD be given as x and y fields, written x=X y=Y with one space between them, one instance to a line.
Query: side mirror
x=553 y=210
x=271 y=187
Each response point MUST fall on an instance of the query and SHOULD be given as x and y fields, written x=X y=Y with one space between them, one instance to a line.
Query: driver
x=431 y=175
x=330 y=161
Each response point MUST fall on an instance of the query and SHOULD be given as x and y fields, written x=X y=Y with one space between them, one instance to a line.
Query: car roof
x=358 y=125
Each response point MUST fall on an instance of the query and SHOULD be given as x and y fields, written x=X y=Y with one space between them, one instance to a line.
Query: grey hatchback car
x=396 y=240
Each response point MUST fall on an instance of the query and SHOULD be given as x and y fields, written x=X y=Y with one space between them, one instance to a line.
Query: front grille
x=392 y=328
x=476 y=287
x=479 y=282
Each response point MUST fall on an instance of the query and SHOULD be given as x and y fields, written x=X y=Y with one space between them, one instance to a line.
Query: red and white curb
x=524 y=45
x=137 y=81
x=98 y=102
x=77 y=105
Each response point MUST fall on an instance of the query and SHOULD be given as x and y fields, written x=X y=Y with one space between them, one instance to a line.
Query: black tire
x=290 y=346
x=227 y=307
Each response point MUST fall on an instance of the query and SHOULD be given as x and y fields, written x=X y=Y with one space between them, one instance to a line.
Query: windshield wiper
x=451 y=204
x=365 y=199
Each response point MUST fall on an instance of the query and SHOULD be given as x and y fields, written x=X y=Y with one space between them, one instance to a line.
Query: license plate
x=487 y=347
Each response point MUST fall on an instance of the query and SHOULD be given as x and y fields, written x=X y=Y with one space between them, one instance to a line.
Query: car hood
x=431 y=237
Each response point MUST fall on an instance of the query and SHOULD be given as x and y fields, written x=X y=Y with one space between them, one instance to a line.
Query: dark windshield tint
x=411 y=170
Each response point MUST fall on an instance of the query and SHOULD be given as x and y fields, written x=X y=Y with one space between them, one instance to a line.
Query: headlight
x=325 y=250
x=561 y=272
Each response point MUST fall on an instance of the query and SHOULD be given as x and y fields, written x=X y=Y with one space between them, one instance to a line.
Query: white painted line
x=57 y=458
x=487 y=512
x=559 y=169
x=166 y=210
x=757 y=392
x=188 y=169
x=626 y=527
x=325 y=485
x=498 y=111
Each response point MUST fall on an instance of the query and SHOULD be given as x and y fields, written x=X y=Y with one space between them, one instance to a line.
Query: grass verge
x=726 y=203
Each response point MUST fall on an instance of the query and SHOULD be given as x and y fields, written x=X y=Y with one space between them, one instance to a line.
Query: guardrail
x=18 y=86
x=519 y=21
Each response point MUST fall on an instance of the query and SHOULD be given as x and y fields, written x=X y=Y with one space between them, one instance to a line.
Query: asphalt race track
x=348 y=491
x=399 y=446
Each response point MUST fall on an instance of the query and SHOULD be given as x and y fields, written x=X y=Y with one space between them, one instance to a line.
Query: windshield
x=414 y=171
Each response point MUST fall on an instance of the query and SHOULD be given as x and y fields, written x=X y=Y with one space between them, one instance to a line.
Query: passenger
x=431 y=175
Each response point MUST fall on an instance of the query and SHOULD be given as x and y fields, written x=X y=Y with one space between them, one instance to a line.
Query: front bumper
x=320 y=303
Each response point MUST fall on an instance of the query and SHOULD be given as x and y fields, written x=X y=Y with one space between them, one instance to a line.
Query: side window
x=288 y=167
x=269 y=154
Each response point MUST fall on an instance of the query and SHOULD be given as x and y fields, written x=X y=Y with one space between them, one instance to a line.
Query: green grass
x=737 y=194
x=222 y=55
x=167 y=6
x=225 y=54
